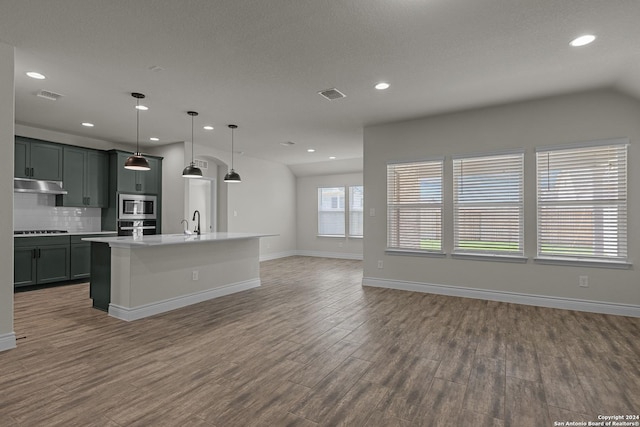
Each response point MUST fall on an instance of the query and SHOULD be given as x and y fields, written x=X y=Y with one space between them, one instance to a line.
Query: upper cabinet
x=85 y=178
x=136 y=182
x=37 y=159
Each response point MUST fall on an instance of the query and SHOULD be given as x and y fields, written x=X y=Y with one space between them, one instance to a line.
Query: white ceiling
x=259 y=64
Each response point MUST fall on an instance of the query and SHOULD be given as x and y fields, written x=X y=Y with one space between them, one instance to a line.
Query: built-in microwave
x=137 y=206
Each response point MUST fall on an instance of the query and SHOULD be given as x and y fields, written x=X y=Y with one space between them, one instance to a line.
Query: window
x=488 y=204
x=356 y=210
x=414 y=206
x=331 y=219
x=582 y=201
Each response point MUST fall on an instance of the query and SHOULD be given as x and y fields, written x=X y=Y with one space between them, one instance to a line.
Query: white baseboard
x=339 y=255
x=7 y=341
x=512 y=297
x=276 y=255
x=140 y=312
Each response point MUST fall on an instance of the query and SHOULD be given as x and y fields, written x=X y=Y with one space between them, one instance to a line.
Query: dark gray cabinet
x=85 y=177
x=39 y=260
x=37 y=159
x=136 y=182
x=125 y=181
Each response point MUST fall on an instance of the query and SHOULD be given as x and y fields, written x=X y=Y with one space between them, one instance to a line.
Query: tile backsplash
x=33 y=211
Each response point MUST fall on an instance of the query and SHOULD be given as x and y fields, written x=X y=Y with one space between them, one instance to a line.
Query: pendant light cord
x=192 y=142
x=232 y=129
x=137 y=126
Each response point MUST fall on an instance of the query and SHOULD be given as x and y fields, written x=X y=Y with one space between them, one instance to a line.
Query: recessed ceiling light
x=142 y=107
x=35 y=75
x=310 y=150
x=208 y=127
x=87 y=124
x=382 y=86
x=332 y=157
x=582 y=40
x=153 y=138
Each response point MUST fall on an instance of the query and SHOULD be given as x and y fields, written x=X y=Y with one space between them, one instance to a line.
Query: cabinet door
x=73 y=176
x=126 y=179
x=24 y=266
x=80 y=260
x=46 y=161
x=96 y=179
x=53 y=263
x=148 y=180
x=21 y=160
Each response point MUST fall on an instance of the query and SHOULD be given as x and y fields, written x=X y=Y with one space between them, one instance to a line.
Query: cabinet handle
x=88 y=200
x=31 y=172
x=39 y=252
x=33 y=253
x=26 y=171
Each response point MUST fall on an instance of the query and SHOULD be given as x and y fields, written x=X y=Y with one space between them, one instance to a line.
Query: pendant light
x=136 y=161
x=232 y=176
x=192 y=171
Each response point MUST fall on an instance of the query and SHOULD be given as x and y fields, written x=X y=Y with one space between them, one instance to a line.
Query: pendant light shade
x=232 y=176
x=136 y=161
x=192 y=171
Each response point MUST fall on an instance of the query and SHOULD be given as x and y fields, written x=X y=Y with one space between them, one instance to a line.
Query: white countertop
x=172 y=239
x=72 y=233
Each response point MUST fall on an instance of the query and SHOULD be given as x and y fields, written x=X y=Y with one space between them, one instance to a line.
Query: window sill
x=410 y=252
x=356 y=237
x=340 y=236
x=491 y=257
x=582 y=262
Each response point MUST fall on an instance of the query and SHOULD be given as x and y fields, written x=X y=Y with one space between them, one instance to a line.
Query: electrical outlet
x=372 y=211
x=583 y=281
x=235 y=213
x=194 y=275
x=340 y=244
x=380 y=264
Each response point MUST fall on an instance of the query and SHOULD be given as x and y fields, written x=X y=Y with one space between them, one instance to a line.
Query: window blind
x=488 y=202
x=582 y=202
x=414 y=205
x=331 y=219
x=356 y=210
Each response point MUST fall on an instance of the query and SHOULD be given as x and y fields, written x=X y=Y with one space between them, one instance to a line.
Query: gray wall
x=308 y=242
x=263 y=202
x=7 y=338
x=592 y=115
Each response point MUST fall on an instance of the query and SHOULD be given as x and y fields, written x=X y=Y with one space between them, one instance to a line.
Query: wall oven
x=137 y=207
x=136 y=228
x=137 y=214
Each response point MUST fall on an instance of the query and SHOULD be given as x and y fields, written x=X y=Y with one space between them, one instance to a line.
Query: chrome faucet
x=197 y=229
x=186 y=226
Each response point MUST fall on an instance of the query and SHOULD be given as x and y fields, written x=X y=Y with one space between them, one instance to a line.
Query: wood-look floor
x=313 y=347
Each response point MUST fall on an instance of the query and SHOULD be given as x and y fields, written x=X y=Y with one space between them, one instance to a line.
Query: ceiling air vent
x=332 y=94
x=52 y=96
x=287 y=143
x=202 y=164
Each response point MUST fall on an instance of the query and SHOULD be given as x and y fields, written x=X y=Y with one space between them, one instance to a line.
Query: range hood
x=23 y=185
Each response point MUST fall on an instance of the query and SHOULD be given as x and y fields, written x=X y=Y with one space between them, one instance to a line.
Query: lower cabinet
x=80 y=258
x=40 y=260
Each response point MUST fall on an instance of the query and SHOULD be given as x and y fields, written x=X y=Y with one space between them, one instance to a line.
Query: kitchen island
x=137 y=277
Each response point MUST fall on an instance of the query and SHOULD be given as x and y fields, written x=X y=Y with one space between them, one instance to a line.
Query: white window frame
x=351 y=210
x=425 y=214
x=329 y=210
x=596 y=190
x=488 y=204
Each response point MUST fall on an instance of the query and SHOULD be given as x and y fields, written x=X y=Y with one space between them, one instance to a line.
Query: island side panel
x=100 y=285
x=165 y=272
